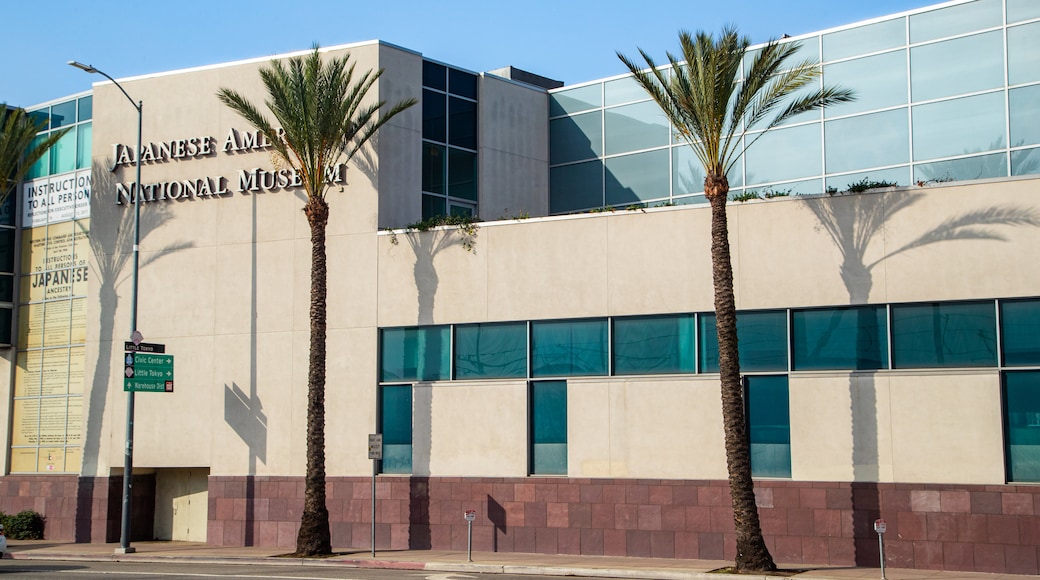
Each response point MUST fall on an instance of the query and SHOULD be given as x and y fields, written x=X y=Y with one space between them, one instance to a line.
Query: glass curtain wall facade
x=47 y=410
x=944 y=94
x=449 y=165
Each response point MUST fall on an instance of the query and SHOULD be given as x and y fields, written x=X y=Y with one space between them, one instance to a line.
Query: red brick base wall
x=971 y=528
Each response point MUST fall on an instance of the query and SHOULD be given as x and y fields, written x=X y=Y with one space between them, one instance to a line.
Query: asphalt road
x=118 y=570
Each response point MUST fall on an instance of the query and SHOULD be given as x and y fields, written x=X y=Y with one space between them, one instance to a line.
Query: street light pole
x=128 y=459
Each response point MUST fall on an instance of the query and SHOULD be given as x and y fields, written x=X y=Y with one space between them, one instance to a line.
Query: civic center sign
x=256 y=179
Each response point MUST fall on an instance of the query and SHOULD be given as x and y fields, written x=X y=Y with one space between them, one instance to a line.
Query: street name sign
x=148 y=373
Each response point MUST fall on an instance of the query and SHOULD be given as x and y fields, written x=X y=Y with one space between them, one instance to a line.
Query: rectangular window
x=395 y=423
x=955 y=334
x=491 y=351
x=415 y=354
x=1020 y=332
x=761 y=338
x=548 y=430
x=654 y=345
x=1022 y=425
x=769 y=425
x=854 y=338
x=569 y=348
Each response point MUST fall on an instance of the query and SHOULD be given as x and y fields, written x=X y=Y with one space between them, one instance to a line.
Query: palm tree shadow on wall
x=113 y=257
x=425 y=246
x=853 y=222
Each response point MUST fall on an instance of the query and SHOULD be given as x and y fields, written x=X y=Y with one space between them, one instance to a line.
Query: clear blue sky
x=569 y=40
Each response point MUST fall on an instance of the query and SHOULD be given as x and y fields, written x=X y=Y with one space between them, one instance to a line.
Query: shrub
x=25 y=525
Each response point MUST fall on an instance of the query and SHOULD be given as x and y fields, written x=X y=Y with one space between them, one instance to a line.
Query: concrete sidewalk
x=446 y=561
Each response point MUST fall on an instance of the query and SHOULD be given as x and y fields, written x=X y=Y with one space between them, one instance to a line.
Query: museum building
x=554 y=365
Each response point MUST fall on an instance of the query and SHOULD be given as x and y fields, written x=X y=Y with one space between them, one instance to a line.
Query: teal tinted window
x=1024 y=53
x=854 y=338
x=623 y=90
x=434 y=123
x=415 y=354
x=980 y=66
x=576 y=187
x=433 y=206
x=491 y=351
x=960 y=126
x=867 y=141
x=1022 y=425
x=462 y=83
x=42 y=166
x=1019 y=10
x=549 y=428
x=42 y=118
x=462 y=123
x=7 y=237
x=83 y=144
x=880 y=82
x=761 y=338
x=636 y=178
x=575 y=138
x=434 y=75
x=955 y=20
x=769 y=425
x=1025 y=115
x=687 y=172
x=634 y=127
x=1025 y=162
x=944 y=335
x=63 y=114
x=575 y=100
x=654 y=345
x=63 y=153
x=434 y=168
x=7 y=211
x=864 y=40
x=462 y=174
x=569 y=348
x=395 y=418
x=1020 y=332
x=86 y=108
x=979 y=167
x=783 y=154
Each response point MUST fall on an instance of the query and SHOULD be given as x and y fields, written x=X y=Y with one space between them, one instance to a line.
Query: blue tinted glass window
x=434 y=76
x=979 y=167
x=1019 y=10
x=623 y=90
x=955 y=20
x=960 y=126
x=416 y=354
x=434 y=167
x=635 y=127
x=42 y=118
x=1025 y=115
x=864 y=39
x=395 y=417
x=462 y=123
x=866 y=141
x=462 y=83
x=879 y=82
x=1022 y=425
x=63 y=114
x=854 y=338
x=636 y=178
x=43 y=165
x=575 y=138
x=549 y=428
x=944 y=335
x=769 y=425
x=1024 y=53
x=491 y=351
x=462 y=174
x=654 y=345
x=569 y=348
x=575 y=100
x=86 y=108
x=761 y=338
x=897 y=175
x=433 y=206
x=434 y=126
x=1020 y=332
x=687 y=172
x=63 y=153
x=576 y=187
x=979 y=66
x=783 y=154
x=1025 y=162
x=83 y=144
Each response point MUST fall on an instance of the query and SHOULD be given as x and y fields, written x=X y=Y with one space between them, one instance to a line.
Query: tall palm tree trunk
x=752 y=553
x=315 y=537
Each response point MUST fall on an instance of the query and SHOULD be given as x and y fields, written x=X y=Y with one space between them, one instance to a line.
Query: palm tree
x=18 y=153
x=320 y=111
x=701 y=93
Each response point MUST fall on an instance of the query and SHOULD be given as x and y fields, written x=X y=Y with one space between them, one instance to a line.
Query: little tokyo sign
x=148 y=372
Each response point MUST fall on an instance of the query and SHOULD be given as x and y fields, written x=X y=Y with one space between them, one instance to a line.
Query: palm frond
x=18 y=151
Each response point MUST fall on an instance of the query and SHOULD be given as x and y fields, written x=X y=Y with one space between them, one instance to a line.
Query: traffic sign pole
x=880 y=526
x=375 y=453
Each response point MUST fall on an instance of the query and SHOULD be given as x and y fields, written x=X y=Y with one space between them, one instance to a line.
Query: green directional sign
x=148 y=372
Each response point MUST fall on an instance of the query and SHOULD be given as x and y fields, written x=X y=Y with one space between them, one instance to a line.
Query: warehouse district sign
x=252 y=180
